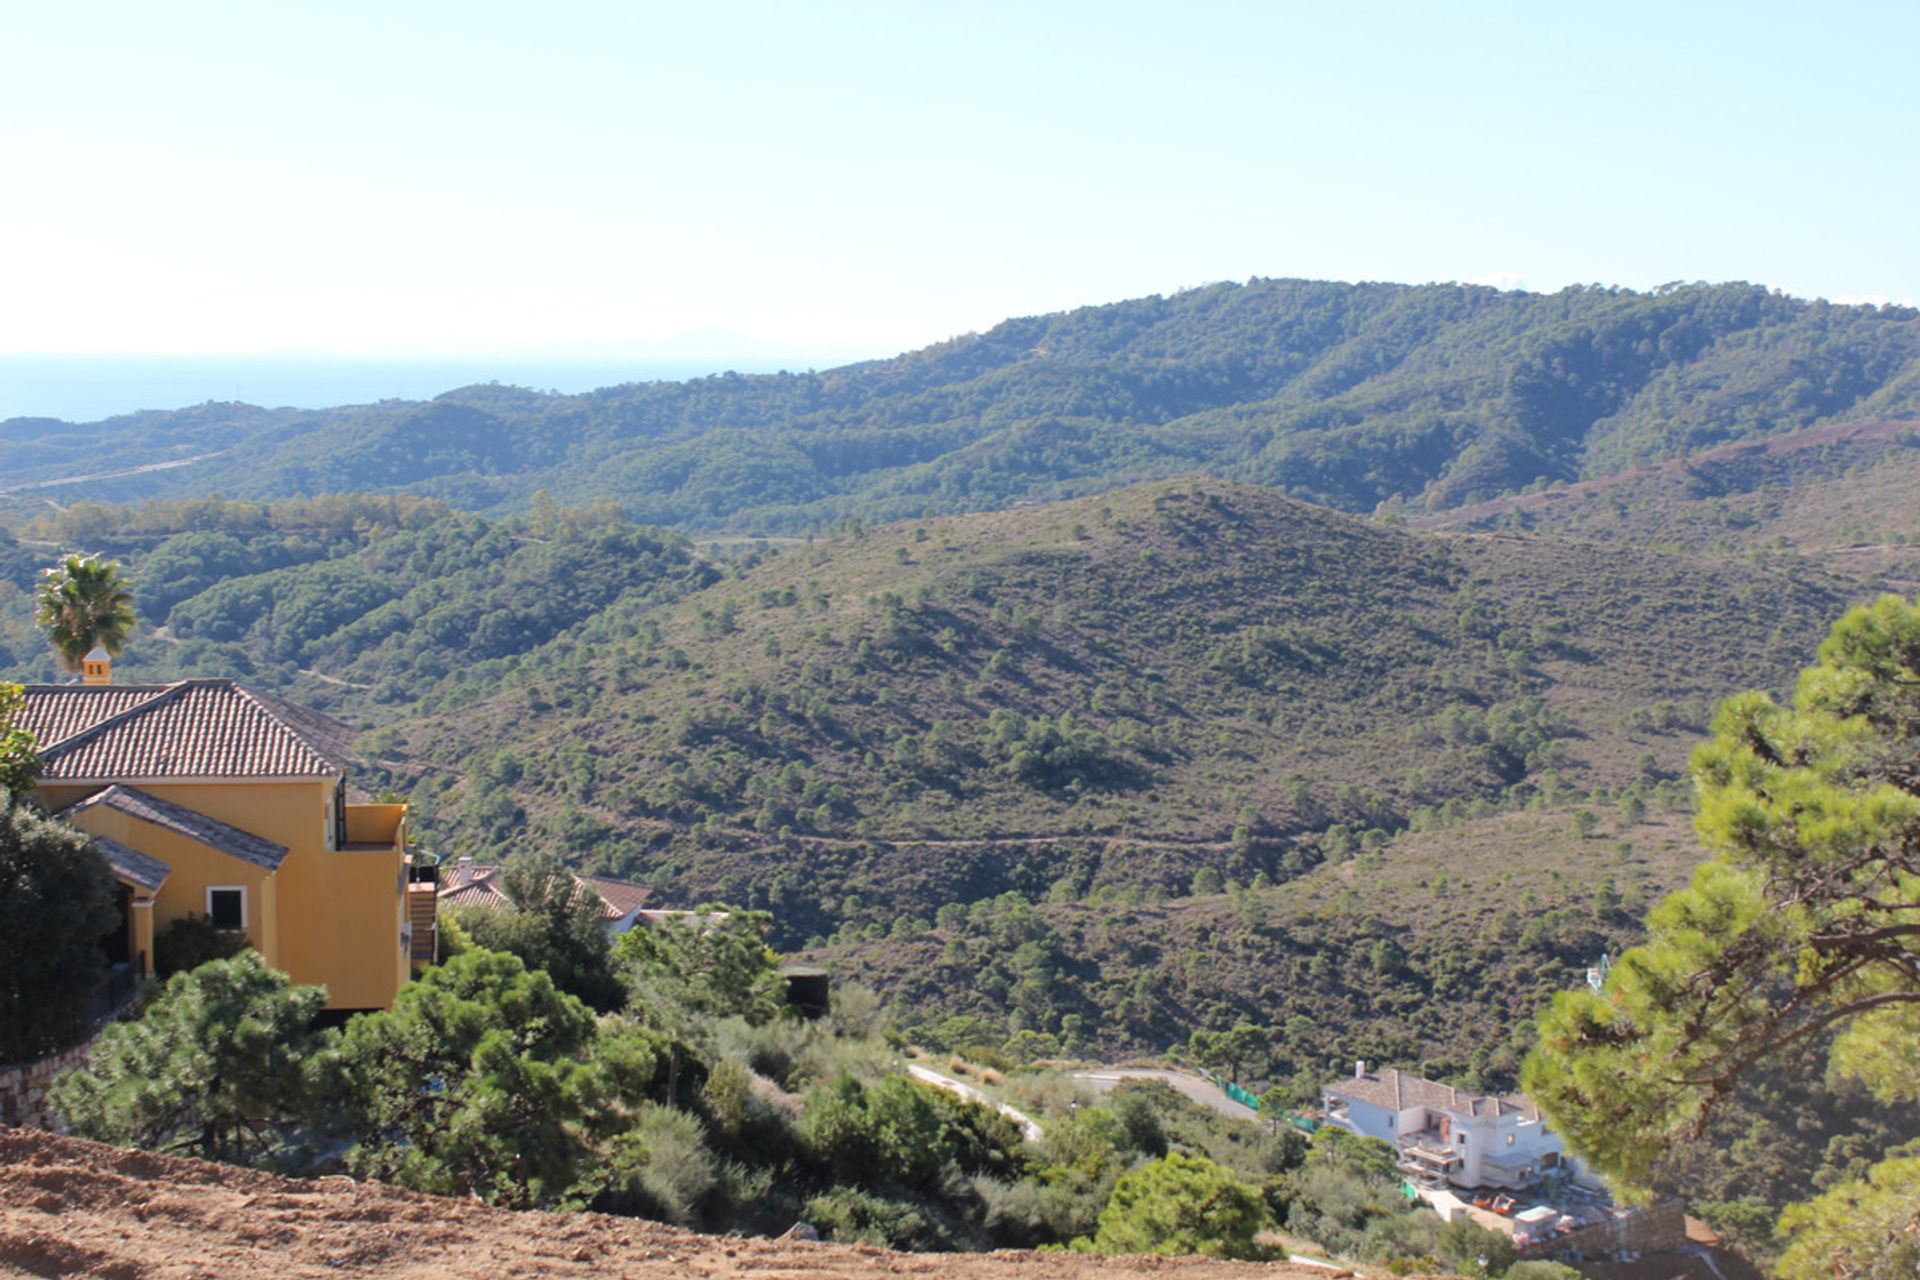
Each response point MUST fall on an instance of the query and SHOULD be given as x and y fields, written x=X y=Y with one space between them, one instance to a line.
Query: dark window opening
x=226 y=908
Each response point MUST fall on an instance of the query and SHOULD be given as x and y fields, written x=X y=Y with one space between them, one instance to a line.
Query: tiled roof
x=462 y=884
x=465 y=884
x=132 y=865
x=56 y=712
x=477 y=892
x=181 y=820
x=213 y=728
x=622 y=897
x=1399 y=1091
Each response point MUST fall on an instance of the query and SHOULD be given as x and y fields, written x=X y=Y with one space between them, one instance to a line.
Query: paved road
x=1195 y=1087
x=1028 y=1126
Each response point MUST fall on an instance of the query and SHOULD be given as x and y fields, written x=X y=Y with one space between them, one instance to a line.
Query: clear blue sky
x=833 y=179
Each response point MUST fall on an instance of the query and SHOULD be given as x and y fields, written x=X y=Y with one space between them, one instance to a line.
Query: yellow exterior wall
x=140 y=931
x=328 y=916
x=347 y=925
x=195 y=868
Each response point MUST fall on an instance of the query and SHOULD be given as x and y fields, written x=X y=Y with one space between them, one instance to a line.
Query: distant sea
x=89 y=388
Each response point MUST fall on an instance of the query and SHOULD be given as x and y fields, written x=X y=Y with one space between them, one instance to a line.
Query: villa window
x=227 y=907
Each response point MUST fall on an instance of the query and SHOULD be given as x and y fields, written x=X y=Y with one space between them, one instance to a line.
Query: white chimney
x=1360 y=1069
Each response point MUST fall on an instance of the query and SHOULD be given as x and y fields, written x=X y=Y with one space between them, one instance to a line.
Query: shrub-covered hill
x=1120 y=690
x=1346 y=394
x=1843 y=494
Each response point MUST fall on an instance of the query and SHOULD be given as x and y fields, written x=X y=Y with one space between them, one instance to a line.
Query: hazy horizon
x=90 y=388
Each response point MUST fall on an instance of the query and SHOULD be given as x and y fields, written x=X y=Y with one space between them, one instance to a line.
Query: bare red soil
x=73 y=1208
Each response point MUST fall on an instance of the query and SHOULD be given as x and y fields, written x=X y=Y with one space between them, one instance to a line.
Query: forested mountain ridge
x=1349 y=395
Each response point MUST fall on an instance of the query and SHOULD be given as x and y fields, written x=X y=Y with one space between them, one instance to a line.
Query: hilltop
x=1350 y=395
x=366 y=606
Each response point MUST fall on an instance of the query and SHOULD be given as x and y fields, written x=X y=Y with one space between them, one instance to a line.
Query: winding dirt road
x=1194 y=1087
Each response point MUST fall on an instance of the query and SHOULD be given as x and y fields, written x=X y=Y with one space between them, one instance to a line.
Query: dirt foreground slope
x=72 y=1208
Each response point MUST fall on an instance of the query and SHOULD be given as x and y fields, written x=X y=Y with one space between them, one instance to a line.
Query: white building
x=1446 y=1135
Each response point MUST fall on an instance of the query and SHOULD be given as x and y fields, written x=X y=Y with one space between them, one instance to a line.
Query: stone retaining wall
x=1654 y=1229
x=23 y=1089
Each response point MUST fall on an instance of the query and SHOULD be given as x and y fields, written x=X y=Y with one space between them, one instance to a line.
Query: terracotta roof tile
x=54 y=713
x=622 y=897
x=474 y=893
x=213 y=728
x=181 y=820
x=471 y=885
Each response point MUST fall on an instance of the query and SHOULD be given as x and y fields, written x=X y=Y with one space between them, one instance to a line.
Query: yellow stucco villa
x=208 y=797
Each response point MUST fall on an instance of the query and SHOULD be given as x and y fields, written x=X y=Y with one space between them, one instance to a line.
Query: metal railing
x=116 y=990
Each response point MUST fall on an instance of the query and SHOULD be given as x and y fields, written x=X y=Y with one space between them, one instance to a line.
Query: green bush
x=1474 y=1250
x=484 y=1079
x=1032 y=1212
x=191 y=941
x=660 y=1168
x=1182 y=1205
x=1539 y=1269
x=900 y=1132
x=849 y=1215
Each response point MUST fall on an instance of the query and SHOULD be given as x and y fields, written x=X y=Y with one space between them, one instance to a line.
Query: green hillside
x=1124 y=690
x=1350 y=395
x=368 y=607
x=1430 y=951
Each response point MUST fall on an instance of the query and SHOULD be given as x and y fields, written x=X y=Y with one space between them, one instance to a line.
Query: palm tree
x=83 y=601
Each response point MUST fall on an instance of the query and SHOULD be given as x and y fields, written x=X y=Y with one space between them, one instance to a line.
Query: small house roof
x=180 y=820
x=1398 y=1091
x=621 y=897
x=466 y=884
x=131 y=865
